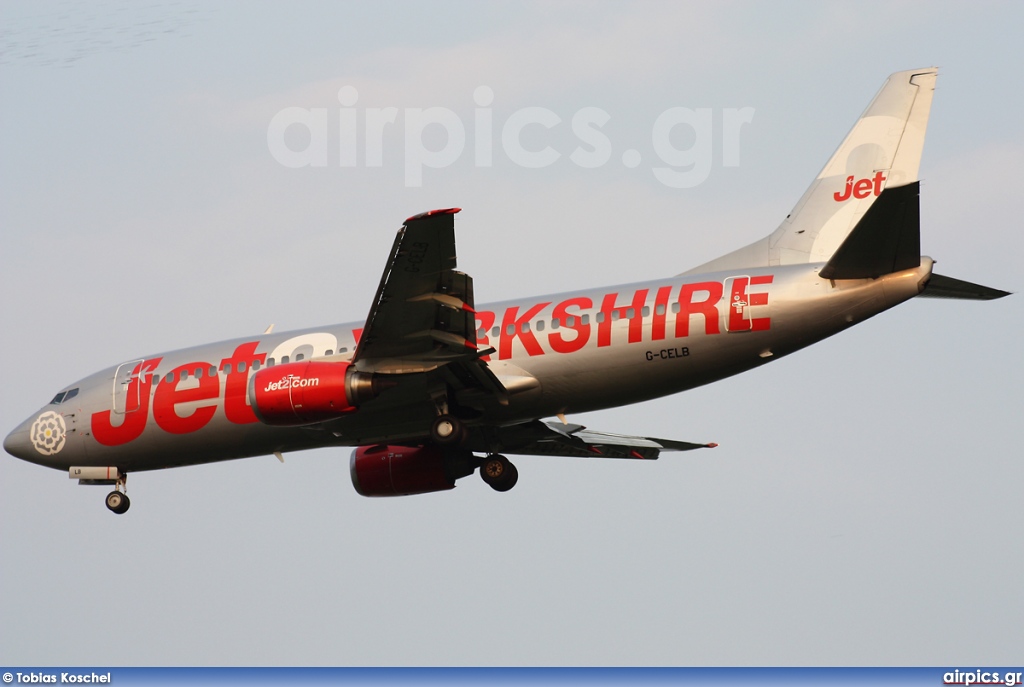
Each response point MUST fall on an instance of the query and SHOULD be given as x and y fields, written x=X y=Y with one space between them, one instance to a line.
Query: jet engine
x=310 y=391
x=403 y=470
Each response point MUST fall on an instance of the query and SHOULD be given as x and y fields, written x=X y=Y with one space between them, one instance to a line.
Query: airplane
x=432 y=387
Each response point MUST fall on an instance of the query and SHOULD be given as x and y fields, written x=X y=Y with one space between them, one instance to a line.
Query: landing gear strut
x=498 y=472
x=118 y=501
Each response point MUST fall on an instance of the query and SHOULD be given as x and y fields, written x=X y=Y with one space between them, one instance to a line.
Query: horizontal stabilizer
x=940 y=286
x=887 y=238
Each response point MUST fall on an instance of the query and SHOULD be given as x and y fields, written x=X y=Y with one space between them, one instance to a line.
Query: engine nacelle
x=401 y=470
x=307 y=391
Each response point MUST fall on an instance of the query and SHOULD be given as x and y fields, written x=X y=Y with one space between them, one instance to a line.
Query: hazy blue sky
x=866 y=505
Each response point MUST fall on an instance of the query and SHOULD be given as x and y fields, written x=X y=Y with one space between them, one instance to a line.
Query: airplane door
x=127 y=387
x=746 y=303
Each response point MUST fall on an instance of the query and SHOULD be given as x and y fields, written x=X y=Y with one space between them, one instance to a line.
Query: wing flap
x=555 y=439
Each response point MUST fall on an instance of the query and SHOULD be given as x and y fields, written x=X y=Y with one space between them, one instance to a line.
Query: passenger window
x=659 y=309
x=540 y=326
x=156 y=379
x=329 y=352
x=586 y=319
x=570 y=321
x=343 y=350
x=227 y=368
x=184 y=375
x=600 y=317
x=284 y=360
x=255 y=365
x=270 y=362
x=213 y=371
x=675 y=307
x=495 y=332
x=299 y=357
x=630 y=313
x=169 y=379
x=555 y=324
x=510 y=330
x=524 y=327
x=646 y=312
x=241 y=366
x=198 y=374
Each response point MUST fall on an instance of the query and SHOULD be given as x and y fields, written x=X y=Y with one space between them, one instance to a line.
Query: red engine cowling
x=304 y=392
x=399 y=470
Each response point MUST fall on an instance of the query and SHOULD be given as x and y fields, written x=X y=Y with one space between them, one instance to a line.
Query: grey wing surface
x=422 y=317
x=541 y=438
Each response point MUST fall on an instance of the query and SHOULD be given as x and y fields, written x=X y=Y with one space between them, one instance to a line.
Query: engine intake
x=307 y=392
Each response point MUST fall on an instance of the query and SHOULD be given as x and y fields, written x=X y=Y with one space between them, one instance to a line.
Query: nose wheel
x=498 y=472
x=118 y=501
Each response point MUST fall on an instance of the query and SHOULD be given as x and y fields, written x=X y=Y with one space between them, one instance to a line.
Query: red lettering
x=759 y=324
x=168 y=395
x=707 y=307
x=562 y=314
x=862 y=189
x=660 y=313
x=740 y=301
x=357 y=334
x=636 y=321
x=236 y=406
x=738 y=305
x=512 y=327
x=878 y=179
x=484 y=321
x=841 y=196
x=134 y=420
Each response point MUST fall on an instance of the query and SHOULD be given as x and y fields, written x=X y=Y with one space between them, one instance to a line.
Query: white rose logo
x=48 y=433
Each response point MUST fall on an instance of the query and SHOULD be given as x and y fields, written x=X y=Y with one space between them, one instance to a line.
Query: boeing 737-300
x=433 y=386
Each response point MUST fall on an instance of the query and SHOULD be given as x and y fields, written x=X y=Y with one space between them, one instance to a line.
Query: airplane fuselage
x=564 y=353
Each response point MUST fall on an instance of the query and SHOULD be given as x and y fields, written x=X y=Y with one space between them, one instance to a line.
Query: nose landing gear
x=118 y=501
x=498 y=472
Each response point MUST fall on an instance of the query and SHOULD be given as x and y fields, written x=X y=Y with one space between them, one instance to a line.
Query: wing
x=555 y=439
x=422 y=317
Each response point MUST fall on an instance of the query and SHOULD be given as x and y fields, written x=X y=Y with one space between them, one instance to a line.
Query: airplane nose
x=18 y=445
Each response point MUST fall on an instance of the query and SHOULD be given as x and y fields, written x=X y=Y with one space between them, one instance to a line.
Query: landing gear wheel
x=118 y=502
x=499 y=473
x=447 y=430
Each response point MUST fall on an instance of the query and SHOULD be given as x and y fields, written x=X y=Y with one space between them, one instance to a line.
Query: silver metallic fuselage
x=633 y=355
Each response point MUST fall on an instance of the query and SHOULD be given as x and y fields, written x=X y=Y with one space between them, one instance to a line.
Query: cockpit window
x=64 y=396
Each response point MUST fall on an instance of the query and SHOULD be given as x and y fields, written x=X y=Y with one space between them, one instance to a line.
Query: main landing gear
x=118 y=501
x=498 y=472
x=447 y=430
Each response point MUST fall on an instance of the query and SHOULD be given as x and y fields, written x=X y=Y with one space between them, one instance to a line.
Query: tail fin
x=882 y=151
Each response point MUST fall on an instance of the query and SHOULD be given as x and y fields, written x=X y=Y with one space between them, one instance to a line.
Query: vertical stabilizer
x=883 y=150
